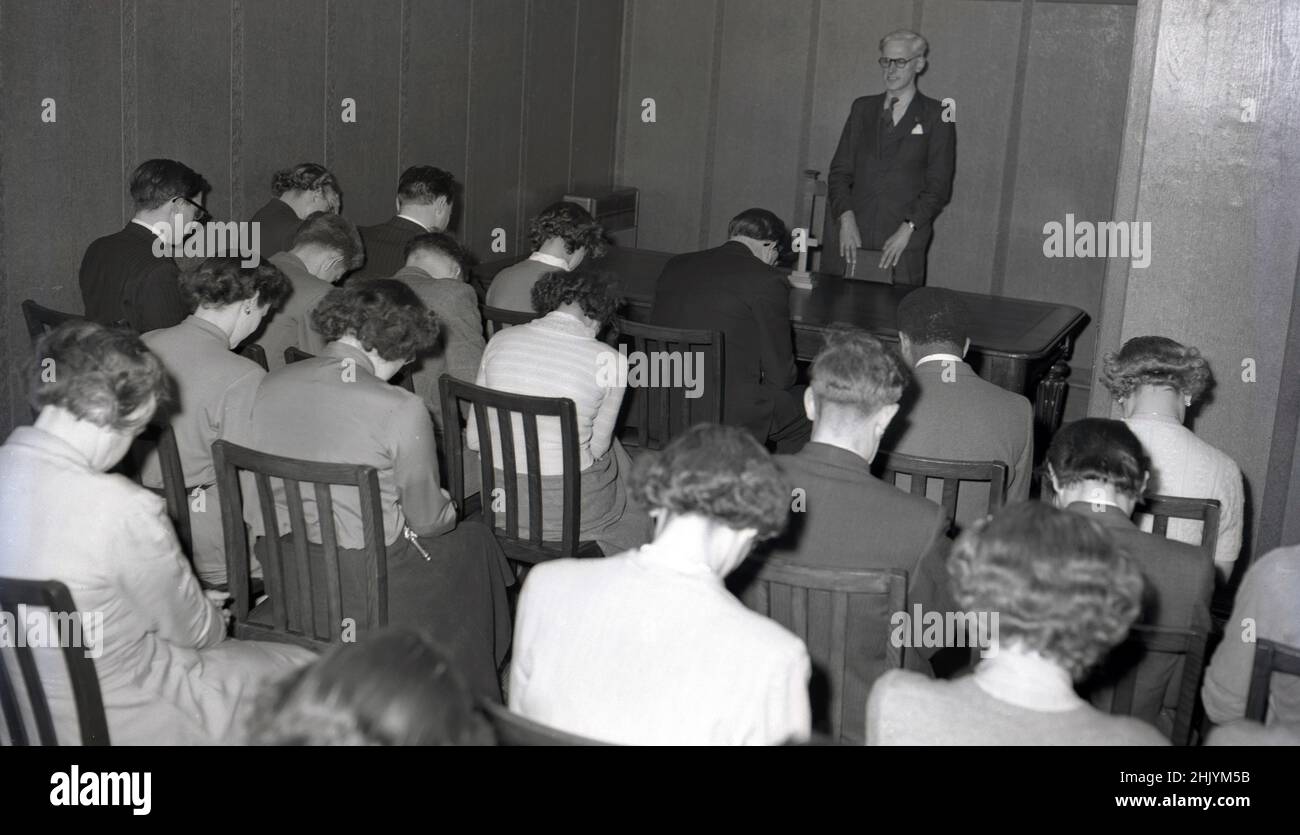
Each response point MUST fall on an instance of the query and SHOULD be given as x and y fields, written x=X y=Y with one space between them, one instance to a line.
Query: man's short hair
x=156 y=181
x=424 y=184
x=570 y=223
x=439 y=242
x=1098 y=449
x=918 y=44
x=332 y=232
x=759 y=224
x=934 y=316
x=855 y=370
x=305 y=176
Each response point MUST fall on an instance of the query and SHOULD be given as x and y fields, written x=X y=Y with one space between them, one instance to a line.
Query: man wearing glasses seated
x=892 y=171
x=122 y=279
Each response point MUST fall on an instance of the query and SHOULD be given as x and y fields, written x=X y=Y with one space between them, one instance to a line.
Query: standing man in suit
x=1098 y=469
x=425 y=196
x=562 y=235
x=122 y=278
x=300 y=191
x=952 y=413
x=892 y=171
x=735 y=289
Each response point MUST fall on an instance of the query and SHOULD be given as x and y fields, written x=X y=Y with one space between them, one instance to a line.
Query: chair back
x=18 y=664
x=952 y=473
x=42 y=319
x=661 y=402
x=1164 y=508
x=496 y=318
x=1142 y=641
x=513 y=729
x=403 y=378
x=295 y=616
x=1270 y=657
x=256 y=353
x=161 y=437
x=816 y=604
x=508 y=411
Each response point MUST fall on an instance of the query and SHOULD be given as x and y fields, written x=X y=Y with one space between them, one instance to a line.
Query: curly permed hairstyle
x=100 y=374
x=592 y=290
x=1156 y=361
x=222 y=281
x=384 y=315
x=305 y=176
x=570 y=223
x=393 y=688
x=719 y=472
x=1060 y=586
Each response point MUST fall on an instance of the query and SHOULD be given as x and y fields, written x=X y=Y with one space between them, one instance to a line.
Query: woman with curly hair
x=339 y=408
x=649 y=647
x=298 y=192
x=562 y=235
x=167 y=673
x=394 y=688
x=559 y=355
x=1155 y=381
x=1063 y=595
x=214 y=386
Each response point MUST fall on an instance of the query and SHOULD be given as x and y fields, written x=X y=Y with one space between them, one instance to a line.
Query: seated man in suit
x=1098 y=469
x=952 y=413
x=299 y=192
x=562 y=236
x=425 y=196
x=124 y=276
x=435 y=271
x=735 y=289
x=325 y=247
x=844 y=517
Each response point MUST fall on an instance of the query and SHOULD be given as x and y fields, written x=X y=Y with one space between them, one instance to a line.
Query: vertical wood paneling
x=497 y=38
x=548 y=106
x=183 y=89
x=595 y=92
x=284 y=71
x=364 y=67
x=434 y=118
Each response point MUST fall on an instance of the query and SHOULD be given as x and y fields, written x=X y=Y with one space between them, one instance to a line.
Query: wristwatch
x=910 y=223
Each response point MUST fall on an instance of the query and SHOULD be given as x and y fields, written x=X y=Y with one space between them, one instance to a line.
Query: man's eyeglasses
x=202 y=215
x=896 y=62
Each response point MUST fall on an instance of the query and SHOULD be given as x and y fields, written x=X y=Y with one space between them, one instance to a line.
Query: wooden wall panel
x=436 y=81
x=548 y=107
x=595 y=92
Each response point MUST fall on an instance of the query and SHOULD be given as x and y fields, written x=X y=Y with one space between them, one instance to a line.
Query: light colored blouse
x=1184 y=465
x=555 y=356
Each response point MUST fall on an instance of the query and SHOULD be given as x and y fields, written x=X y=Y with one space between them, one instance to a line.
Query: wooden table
x=1017 y=344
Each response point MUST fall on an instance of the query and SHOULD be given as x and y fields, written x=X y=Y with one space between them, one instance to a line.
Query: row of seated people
x=714 y=493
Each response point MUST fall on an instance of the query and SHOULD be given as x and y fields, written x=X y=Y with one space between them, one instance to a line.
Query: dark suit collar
x=138 y=232
x=935 y=368
x=828 y=455
x=400 y=222
x=736 y=248
x=1103 y=514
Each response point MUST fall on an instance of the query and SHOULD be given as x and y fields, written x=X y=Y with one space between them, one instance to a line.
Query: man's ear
x=905 y=348
x=397 y=205
x=920 y=64
x=1051 y=479
x=885 y=416
x=966 y=348
x=1142 y=489
x=810 y=404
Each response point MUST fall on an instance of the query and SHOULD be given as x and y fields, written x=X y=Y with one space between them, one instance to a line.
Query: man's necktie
x=889 y=110
x=886 y=122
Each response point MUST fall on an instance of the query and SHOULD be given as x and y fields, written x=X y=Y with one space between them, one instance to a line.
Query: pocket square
x=917 y=129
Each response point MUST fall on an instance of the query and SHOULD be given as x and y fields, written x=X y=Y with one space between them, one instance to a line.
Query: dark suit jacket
x=386 y=246
x=278 y=224
x=122 y=280
x=961 y=417
x=851 y=519
x=886 y=173
x=730 y=290
x=1179 y=582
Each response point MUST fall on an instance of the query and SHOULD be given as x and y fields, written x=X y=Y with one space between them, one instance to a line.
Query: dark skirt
x=457 y=597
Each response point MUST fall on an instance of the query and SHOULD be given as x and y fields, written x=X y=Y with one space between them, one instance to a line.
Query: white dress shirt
x=413 y=220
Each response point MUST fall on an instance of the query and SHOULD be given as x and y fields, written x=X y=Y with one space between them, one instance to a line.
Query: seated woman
x=339 y=408
x=1063 y=595
x=558 y=355
x=167 y=672
x=214 y=386
x=393 y=688
x=1155 y=380
x=649 y=647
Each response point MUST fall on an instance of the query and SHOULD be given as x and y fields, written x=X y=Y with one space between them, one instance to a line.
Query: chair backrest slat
x=890 y=465
x=301 y=560
x=496 y=318
x=533 y=454
x=663 y=409
x=40 y=319
x=330 y=546
x=506 y=434
x=1189 y=644
x=1163 y=508
x=1270 y=657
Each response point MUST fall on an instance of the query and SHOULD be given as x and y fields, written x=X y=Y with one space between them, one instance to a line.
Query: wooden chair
x=1164 y=508
x=256 y=353
x=1189 y=644
x=1270 y=657
x=41 y=319
x=515 y=730
x=402 y=378
x=893 y=464
x=507 y=407
x=162 y=437
x=294 y=617
x=814 y=604
x=496 y=318
x=53 y=596
x=660 y=410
